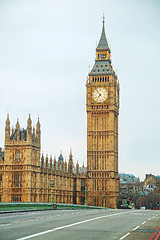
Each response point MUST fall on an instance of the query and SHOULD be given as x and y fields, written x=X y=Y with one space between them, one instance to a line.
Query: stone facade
x=102 y=129
x=26 y=177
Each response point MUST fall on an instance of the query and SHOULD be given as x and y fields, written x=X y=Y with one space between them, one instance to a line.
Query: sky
x=46 y=48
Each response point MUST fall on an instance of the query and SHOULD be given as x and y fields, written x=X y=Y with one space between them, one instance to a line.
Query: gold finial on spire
x=70 y=150
x=103 y=18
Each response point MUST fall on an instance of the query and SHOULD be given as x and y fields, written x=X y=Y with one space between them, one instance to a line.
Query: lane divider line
x=69 y=225
x=143 y=223
x=135 y=228
x=125 y=236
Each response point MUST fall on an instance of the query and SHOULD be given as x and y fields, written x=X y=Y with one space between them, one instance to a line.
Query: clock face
x=100 y=94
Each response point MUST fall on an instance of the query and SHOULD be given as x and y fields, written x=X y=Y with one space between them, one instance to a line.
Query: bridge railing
x=41 y=206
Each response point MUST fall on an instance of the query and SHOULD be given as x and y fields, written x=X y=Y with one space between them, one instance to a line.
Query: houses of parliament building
x=26 y=176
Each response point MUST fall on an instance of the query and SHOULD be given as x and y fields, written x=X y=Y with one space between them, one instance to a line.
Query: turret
x=65 y=167
x=38 y=132
x=17 y=125
x=58 y=165
x=50 y=163
x=54 y=164
x=70 y=163
x=33 y=134
x=7 y=129
x=29 y=128
x=46 y=167
x=12 y=130
x=77 y=168
x=42 y=161
x=62 y=166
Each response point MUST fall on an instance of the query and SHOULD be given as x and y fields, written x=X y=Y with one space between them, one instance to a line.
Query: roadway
x=86 y=224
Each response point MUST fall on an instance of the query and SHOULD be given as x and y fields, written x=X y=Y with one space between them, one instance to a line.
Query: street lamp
x=52 y=186
x=104 y=198
x=85 y=197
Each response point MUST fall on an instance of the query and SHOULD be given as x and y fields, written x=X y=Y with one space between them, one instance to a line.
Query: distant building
x=129 y=184
x=151 y=183
x=128 y=178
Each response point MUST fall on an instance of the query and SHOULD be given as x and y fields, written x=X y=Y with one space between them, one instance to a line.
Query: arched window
x=95 y=79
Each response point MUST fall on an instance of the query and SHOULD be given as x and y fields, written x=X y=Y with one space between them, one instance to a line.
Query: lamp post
x=52 y=186
x=104 y=198
x=85 y=197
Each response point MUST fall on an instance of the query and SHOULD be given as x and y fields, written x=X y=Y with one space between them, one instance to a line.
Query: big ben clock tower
x=102 y=129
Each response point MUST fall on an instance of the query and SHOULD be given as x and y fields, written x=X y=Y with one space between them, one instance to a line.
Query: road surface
x=88 y=224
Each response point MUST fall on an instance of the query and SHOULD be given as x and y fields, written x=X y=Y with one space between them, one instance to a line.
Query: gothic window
x=100 y=79
x=17 y=155
x=93 y=79
x=105 y=79
x=1 y=180
x=17 y=179
x=82 y=185
x=16 y=198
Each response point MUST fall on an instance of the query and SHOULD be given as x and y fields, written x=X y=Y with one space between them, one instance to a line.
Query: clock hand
x=99 y=95
x=97 y=91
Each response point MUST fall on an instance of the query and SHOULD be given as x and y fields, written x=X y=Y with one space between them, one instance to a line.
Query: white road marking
x=125 y=236
x=143 y=223
x=2 y=225
x=70 y=225
x=135 y=228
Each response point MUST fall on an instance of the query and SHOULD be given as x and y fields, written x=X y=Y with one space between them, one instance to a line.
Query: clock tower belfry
x=102 y=90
